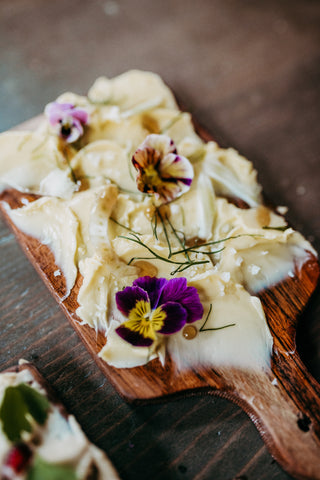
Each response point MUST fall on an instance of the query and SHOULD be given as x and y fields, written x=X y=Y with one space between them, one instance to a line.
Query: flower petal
x=174 y=290
x=135 y=338
x=177 y=290
x=160 y=170
x=162 y=143
x=191 y=302
x=153 y=286
x=176 y=168
x=142 y=158
x=176 y=317
x=80 y=115
x=67 y=119
x=127 y=298
x=56 y=111
x=76 y=131
x=168 y=191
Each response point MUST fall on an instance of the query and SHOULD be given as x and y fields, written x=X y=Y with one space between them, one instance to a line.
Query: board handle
x=284 y=405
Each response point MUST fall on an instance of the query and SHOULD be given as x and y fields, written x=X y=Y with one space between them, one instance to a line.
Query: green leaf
x=37 y=403
x=42 y=470
x=13 y=414
x=18 y=402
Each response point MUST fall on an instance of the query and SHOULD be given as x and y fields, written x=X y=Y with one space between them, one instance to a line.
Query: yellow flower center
x=145 y=321
x=150 y=176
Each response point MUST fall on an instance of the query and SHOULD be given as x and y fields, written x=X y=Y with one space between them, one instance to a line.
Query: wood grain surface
x=249 y=72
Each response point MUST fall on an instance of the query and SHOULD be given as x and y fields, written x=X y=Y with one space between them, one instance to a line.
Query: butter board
x=286 y=406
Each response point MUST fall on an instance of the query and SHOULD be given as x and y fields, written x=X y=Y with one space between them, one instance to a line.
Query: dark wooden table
x=249 y=71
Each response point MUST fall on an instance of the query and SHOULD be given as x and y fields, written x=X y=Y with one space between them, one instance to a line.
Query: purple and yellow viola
x=156 y=306
x=67 y=119
x=161 y=171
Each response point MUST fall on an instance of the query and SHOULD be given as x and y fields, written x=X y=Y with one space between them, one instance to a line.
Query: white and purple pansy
x=156 y=306
x=67 y=119
x=161 y=171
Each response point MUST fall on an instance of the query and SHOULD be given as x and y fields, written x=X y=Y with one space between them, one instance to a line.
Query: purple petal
x=153 y=286
x=64 y=107
x=174 y=290
x=135 y=338
x=176 y=174
x=176 y=167
x=175 y=320
x=177 y=290
x=191 y=302
x=59 y=112
x=53 y=113
x=127 y=298
x=80 y=115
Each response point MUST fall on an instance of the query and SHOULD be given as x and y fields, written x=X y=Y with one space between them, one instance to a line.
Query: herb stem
x=202 y=329
x=165 y=233
x=214 y=242
x=123 y=226
x=157 y=256
x=207 y=253
x=181 y=243
x=154 y=225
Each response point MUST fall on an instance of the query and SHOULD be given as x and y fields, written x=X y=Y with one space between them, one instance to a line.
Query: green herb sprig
x=214 y=242
x=123 y=226
x=202 y=329
x=182 y=266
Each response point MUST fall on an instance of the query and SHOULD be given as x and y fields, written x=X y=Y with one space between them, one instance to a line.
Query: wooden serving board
x=283 y=403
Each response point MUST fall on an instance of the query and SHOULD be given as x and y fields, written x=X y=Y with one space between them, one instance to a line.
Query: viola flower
x=161 y=171
x=156 y=306
x=67 y=119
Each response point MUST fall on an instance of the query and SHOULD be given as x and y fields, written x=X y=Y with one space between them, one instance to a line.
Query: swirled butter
x=89 y=202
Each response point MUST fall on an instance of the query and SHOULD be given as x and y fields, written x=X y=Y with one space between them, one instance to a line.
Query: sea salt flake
x=254 y=269
x=225 y=276
x=239 y=261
